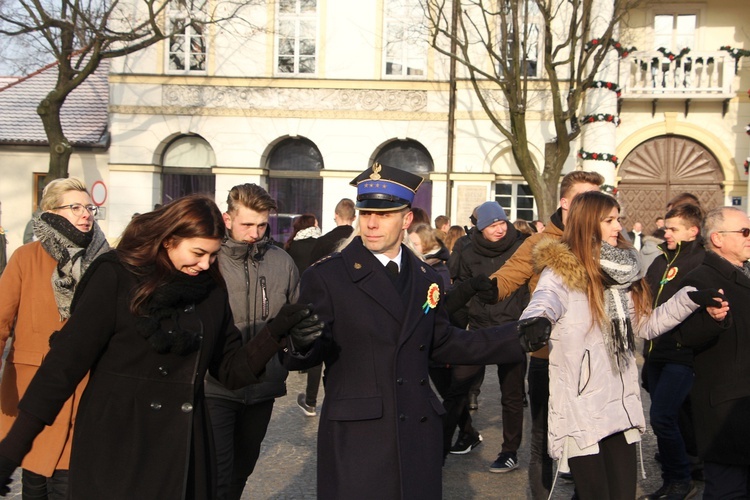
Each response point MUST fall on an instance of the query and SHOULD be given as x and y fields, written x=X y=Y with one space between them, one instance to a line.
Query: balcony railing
x=697 y=75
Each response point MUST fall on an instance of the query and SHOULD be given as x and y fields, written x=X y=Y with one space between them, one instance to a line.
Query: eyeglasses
x=77 y=209
x=745 y=231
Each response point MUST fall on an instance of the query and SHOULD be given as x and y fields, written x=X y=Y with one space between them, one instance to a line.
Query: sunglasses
x=744 y=231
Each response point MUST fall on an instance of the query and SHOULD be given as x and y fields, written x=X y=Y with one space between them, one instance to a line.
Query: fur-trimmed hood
x=558 y=257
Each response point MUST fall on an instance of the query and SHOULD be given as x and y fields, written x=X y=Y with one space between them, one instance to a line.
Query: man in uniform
x=380 y=433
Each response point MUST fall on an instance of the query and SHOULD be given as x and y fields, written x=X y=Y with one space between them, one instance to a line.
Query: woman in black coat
x=149 y=320
x=301 y=242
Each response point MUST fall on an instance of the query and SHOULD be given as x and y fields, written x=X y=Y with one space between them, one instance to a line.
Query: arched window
x=294 y=181
x=411 y=156
x=186 y=168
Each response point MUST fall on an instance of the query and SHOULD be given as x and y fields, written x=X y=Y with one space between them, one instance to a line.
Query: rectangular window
x=405 y=48
x=296 y=37
x=187 y=43
x=675 y=32
x=517 y=200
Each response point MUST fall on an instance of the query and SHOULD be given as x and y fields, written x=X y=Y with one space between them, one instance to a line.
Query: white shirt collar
x=384 y=259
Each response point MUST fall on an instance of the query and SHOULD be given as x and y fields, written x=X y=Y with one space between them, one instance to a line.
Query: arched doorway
x=186 y=168
x=294 y=165
x=662 y=167
x=410 y=155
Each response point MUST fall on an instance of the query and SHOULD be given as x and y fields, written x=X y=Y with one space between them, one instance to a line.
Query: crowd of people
x=173 y=346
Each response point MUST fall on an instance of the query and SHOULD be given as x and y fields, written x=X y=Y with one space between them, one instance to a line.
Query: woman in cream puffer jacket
x=595 y=410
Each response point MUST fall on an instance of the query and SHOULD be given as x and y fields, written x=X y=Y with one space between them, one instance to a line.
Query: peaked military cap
x=383 y=188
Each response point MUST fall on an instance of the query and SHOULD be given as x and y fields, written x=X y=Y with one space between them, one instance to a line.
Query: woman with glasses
x=593 y=292
x=36 y=290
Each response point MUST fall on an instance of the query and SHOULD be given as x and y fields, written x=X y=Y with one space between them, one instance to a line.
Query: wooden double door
x=661 y=168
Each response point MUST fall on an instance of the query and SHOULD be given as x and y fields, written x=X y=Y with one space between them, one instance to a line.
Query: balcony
x=706 y=76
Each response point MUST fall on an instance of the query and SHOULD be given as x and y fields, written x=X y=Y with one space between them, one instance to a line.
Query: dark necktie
x=392 y=269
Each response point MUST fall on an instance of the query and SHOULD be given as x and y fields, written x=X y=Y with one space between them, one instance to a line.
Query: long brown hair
x=583 y=235
x=142 y=244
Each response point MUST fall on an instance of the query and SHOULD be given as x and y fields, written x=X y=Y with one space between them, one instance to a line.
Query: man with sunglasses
x=721 y=391
x=668 y=370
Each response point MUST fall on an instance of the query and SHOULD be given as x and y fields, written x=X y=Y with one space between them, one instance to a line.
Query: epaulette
x=323 y=259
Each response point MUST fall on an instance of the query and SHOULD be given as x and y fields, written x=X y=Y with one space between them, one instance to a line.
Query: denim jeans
x=540 y=463
x=669 y=385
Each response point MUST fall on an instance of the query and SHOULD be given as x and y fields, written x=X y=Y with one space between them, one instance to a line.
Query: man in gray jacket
x=261 y=277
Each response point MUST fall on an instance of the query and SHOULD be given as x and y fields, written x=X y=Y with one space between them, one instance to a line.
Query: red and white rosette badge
x=433 y=296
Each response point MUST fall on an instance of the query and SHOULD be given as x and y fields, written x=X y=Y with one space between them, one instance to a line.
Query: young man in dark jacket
x=669 y=366
x=261 y=277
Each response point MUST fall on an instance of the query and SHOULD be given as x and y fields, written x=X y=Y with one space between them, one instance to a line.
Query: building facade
x=314 y=91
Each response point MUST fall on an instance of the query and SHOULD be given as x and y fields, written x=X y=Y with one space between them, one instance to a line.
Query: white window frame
x=297 y=18
x=675 y=9
x=179 y=12
x=413 y=47
x=512 y=210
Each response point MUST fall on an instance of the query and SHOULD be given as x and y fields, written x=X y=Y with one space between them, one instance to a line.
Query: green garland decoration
x=587 y=155
x=608 y=188
x=737 y=54
x=623 y=52
x=672 y=56
x=601 y=117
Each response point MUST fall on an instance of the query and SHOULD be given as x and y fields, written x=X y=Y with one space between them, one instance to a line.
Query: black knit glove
x=288 y=317
x=709 y=297
x=7 y=467
x=533 y=333
x=16 y=445
x=486 y=289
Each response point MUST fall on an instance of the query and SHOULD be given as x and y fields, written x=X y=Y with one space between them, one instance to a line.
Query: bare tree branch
x=537 y=50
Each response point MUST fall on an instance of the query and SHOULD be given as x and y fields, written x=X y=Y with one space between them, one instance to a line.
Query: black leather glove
x=533 y=333
x=486 y=289
x=288 y=317
x=305 y=332
x=709 y=297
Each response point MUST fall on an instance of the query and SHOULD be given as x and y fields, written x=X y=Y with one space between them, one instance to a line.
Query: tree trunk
x=49 y=111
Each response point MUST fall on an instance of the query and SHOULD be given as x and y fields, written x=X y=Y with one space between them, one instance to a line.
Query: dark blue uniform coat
x=380 y=433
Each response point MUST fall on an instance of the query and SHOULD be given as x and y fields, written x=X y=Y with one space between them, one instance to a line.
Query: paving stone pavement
x=286 y=468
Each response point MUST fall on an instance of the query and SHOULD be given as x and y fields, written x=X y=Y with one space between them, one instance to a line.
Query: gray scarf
x=621 y=267
x=72 y=249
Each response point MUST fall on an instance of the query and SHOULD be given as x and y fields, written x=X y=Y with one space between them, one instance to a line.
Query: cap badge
x=376 y=168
